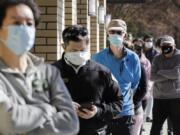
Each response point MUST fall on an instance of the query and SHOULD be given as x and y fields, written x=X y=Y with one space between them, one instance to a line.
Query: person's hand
x=76 y=106
x=87 y=114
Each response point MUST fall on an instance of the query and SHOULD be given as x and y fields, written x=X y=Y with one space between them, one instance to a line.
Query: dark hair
x=147 y=36
x=138 y=40
x=158 y=42
x=75 y=33
x=5 y=4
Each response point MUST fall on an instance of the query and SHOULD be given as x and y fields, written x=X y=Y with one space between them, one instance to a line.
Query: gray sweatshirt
x=165 y=73
x=35 y=103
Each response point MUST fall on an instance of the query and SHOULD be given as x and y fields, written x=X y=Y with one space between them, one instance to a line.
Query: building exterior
x=58 y=14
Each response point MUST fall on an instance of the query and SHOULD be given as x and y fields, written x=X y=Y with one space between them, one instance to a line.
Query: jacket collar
x=67 y=63
x=32 y=60
x=124 y=51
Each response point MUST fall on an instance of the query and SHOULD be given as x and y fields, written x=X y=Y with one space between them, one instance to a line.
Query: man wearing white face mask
x=33 y=97
x=149 y=50
x=96 y=95
x=125 y=66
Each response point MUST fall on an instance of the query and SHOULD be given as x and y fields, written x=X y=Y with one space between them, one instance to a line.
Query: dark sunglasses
x=116 y=32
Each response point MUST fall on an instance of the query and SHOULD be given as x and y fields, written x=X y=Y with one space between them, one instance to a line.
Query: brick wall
x=95 y=32
x=47 y=35
x=70 y=12
x=60 y=26
x=82 y=15
x=56 y=14
x=102 y=30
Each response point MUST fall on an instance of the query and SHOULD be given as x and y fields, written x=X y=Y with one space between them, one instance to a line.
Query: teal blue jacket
x=126 y=70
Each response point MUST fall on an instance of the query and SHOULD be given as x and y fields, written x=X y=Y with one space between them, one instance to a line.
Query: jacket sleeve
x=136 y=73
x=15 y=118
x=65 y=121
x=112 y=97
x=154 y=72
x=142 y=87
x=170 y=73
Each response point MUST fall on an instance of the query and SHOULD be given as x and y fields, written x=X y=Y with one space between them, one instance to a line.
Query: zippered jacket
x=36 y=102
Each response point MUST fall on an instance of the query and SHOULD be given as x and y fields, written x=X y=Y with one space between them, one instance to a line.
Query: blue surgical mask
x=115 y=40
x=20 y=38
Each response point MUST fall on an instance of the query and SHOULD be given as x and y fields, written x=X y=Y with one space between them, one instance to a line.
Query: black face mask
x=138 y=50
x=166 y=49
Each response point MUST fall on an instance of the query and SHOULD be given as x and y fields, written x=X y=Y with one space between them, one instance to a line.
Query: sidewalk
x=147 y=126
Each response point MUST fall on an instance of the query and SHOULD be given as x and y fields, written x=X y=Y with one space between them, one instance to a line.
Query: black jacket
x=92 y=83
x=150 y=54
x=141 y=89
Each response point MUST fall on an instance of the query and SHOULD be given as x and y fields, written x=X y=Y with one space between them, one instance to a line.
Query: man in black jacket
x=95 y=93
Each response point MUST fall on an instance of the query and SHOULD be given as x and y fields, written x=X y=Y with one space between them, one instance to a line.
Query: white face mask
x=78 y=58
x=148 y=45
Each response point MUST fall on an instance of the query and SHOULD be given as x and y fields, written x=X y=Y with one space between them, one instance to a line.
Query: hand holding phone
x=87 y=105
x=87 y=110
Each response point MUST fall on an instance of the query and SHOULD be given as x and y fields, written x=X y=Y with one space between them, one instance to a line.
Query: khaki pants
x=138 y=122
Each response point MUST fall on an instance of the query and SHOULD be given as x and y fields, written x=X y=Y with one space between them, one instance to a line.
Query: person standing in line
x=125 y=66
x=33 y=97
x=169 y=123
x=144 y=88
x=165 y=74
x=137 y=98
x=138 y=47
x=95 y=93
x=150 y=52
x=149 y=49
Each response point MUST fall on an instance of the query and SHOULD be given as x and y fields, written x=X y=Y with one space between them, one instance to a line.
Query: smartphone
x=87 y=105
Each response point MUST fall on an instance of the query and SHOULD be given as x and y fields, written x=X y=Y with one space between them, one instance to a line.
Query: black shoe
x=148 y=119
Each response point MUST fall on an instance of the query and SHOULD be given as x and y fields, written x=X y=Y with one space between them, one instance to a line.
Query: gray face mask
x=20 y=39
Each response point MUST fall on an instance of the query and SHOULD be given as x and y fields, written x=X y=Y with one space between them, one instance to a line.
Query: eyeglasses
x=116 y=32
